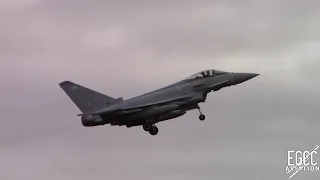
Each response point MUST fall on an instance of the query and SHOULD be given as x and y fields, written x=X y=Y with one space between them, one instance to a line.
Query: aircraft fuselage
x=148 y=109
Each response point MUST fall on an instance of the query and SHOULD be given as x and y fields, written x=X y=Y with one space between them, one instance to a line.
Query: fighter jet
x=156 y=106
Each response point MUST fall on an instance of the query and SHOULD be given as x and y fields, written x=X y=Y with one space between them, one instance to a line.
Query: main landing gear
x=202 y=116
x=151 y=128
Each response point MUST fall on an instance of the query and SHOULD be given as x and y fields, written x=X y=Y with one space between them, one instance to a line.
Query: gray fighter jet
x=148 y=109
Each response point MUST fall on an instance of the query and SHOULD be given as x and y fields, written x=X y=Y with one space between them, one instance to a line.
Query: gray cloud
x=126 y=48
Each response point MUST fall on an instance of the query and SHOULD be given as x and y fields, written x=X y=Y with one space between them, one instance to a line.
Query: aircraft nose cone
x=242 y=77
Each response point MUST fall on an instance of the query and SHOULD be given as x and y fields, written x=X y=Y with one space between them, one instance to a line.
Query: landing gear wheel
x=202 y=117
x=154 y=130
x=147 y=126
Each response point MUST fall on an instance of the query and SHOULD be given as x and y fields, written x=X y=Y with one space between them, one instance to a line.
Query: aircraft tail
x=87 y=99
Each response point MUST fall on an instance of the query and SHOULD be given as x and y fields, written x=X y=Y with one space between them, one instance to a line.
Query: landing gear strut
x=202 y=116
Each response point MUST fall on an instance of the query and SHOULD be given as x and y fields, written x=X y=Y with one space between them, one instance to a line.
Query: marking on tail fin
x=86 y=99
x=75 y=87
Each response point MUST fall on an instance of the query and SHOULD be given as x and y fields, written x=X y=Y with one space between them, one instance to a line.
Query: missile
x=171 y=115
x=163 y=117
x=155 y=111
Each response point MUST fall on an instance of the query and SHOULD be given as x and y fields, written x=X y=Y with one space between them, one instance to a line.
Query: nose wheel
x=202 y=116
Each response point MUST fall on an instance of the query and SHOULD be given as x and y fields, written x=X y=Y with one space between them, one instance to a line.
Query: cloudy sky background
x=125 y=48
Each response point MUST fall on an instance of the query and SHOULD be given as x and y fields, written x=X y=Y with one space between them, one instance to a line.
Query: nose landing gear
x=202 y=116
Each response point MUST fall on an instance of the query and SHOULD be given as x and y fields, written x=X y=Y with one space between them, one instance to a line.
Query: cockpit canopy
x=206 y=73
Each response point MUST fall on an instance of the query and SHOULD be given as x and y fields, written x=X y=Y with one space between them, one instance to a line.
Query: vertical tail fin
x=86 y=99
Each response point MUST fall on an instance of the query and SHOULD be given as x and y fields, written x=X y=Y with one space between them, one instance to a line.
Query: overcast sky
x=125 y=48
